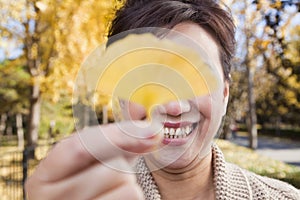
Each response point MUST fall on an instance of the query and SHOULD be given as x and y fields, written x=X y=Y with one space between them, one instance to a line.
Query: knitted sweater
x=230 y=181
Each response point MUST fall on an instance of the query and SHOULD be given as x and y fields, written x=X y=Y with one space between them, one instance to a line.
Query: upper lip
x=176 y=124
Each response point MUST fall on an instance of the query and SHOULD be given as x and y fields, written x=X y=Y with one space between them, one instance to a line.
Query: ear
x=225 y=97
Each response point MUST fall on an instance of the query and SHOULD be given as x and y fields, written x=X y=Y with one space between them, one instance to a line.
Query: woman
x=71 y=170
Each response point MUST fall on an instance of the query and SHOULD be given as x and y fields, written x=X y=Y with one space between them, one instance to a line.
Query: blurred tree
x=14 y=84
x=280 y=63
x=262 y=28
x=34 y=33
x=247 y=22
x=88 y=24
x=55 y=37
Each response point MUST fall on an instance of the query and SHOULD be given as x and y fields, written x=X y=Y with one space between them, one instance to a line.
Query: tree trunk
x=34 y=115
x=86 y=116
x=252 y=130
x=32 y=53
x=9 y=126
x=278 y=122
x=20 y=130
x=3 y=122
x=224 y=131
x=104 y=114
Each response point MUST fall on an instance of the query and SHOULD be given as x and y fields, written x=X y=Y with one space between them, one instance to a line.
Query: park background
x=43 y=43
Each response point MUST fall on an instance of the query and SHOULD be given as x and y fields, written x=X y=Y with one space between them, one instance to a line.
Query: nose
x=175 y=108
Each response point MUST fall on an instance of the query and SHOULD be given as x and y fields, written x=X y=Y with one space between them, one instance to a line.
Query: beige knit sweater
x=230 y=181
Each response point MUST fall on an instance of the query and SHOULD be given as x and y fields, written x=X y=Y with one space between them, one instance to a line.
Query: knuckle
x=77 y=148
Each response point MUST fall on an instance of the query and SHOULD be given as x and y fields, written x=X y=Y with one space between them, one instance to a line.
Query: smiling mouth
x=180 y=132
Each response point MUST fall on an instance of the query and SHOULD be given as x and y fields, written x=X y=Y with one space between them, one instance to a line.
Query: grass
x=252 y=161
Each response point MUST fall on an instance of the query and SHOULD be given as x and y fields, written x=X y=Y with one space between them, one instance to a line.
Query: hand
x=79 y=166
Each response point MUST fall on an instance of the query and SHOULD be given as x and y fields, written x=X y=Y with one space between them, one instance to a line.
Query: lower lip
x=177 y=141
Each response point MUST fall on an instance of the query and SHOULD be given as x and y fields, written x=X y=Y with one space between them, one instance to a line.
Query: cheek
x=204 y=105
x=210 y=106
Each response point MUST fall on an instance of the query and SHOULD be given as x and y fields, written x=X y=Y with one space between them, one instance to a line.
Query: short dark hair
x=167 y=13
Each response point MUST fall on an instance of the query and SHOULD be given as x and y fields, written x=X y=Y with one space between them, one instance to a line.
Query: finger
x=124 y=138
x=96 y=143
x=94 y=181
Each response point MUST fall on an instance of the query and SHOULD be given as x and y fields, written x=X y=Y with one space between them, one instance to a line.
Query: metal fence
x=15 y=167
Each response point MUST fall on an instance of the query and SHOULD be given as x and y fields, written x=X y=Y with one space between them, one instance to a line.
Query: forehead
x=203 y=40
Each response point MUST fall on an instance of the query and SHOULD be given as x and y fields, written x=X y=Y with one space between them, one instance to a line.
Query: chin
x=172 y=158
x=179 y=164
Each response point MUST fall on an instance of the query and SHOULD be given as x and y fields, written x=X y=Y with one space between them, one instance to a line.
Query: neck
x=194 y=181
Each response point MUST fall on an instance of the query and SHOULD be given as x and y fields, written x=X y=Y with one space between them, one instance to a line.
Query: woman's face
x=195 y=121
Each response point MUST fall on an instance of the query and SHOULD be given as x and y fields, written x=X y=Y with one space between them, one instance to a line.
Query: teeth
x=188 y=129
x=166 y=130
x=180 y=132
x=172 y=131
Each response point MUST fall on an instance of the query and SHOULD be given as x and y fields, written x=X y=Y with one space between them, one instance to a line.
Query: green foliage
x=60 y=114
x=290 y=132
x=14 y=87
x=279 y=100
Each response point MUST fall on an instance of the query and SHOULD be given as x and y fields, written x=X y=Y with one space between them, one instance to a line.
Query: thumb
x=127 y=138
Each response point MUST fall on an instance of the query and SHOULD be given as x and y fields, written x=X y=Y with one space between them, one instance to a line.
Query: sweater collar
x=228 y=180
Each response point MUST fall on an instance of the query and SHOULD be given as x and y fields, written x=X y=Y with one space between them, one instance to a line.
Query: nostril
x=144 y=117
x=174 y=110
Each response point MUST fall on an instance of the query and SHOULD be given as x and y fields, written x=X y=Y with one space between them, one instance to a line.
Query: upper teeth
x=177 y=132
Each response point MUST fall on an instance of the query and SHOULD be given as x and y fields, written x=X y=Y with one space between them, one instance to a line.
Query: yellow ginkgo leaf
x=149 y=71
